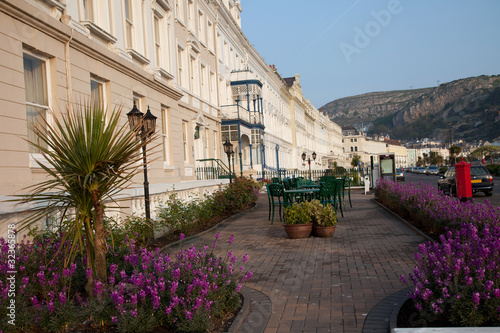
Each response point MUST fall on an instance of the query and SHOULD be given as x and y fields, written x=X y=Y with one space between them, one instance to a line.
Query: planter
x=320 y=231
x=295 y=231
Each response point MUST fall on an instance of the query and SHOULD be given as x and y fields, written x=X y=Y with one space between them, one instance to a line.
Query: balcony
x=238 y=112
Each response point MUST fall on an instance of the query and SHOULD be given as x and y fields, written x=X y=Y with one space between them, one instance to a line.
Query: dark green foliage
x=494 y=169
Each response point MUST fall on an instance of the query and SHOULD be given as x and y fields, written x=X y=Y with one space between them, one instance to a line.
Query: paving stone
x=321 y=284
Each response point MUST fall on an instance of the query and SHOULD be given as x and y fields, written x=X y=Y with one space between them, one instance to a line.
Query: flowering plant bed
x=177 y=216
x=456 y=281
x=431 y=211
x=145 y=291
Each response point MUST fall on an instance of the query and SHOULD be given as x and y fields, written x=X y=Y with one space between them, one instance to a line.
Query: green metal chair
x=276 y=197
x=333 y=193
x=347 y=190
x=328 y=194
x=303 y=182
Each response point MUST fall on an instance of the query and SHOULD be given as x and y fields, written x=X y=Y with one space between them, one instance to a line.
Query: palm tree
x=454 y=151
x=90 y=159
x=355 y=159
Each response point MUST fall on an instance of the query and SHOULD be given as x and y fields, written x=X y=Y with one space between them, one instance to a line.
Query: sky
x=344 y=48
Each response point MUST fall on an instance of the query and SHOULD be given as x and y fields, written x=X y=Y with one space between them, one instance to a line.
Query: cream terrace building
x=356 y=143
x=187 y=61
x=154 y=54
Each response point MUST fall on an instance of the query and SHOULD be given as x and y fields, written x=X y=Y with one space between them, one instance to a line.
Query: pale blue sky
x=343 y=48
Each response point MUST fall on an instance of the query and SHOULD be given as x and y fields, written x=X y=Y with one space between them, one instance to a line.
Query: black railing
x=217 y=170
x=357 y=176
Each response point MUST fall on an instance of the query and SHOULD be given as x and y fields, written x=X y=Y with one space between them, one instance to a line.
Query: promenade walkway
x=317 y=284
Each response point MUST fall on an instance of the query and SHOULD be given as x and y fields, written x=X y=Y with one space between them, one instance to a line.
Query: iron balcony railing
x=235 y=111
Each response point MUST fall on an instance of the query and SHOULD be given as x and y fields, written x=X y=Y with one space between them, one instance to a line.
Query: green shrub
x=494 y=169
x=323 y=216
x=298 y=213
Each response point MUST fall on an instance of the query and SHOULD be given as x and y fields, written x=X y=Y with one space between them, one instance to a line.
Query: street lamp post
x=228 y=149
x=241 y=163
x=449 y=124
x=309 y=160
x=146 y=125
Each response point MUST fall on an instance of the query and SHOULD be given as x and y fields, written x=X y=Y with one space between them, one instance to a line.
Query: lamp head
x=228 y=147
x=134 y=117
x=149 y=123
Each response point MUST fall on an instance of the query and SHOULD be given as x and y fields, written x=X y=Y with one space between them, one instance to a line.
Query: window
x=144 y=34
x=96 y=15
x=161 y=40
x=165 y=118
x=194 y=73
x=179 y=10
x=185 y=140
x=88 y=10
x=205 y=142
x=37 y=101
x=212 y=86
x=191 y=15
x=210 y=33
x=139 y=100
x=218 y=46
x=129 y=23
x=226 y=54
x=352 y=148
x=181 y=65
x=229 y=132
x=96 y=94
x=157 y=40
x=204 y=82
x=201 y=27
x=231 y=59
x=356 y=148
x=216 y=144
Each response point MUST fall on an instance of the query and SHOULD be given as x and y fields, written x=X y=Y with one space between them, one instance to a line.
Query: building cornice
x=31 y=16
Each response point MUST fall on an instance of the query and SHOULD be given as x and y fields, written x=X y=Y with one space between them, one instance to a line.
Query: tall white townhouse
x=157 y=55
x=187 y=61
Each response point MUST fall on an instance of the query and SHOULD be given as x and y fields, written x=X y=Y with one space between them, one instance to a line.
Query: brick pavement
x=320 y=284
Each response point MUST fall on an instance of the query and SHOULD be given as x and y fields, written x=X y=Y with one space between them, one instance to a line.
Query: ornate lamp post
x=304 y=155
x=146 y=125
x=228 y=149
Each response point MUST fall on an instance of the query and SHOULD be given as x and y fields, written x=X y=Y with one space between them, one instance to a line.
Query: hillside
x=471 y=107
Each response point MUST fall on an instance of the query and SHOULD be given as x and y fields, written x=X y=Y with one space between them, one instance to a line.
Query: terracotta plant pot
x=319 y=231
x=295 y=231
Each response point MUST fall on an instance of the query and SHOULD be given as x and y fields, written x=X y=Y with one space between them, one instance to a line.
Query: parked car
x=400 y=175
x=481 y=181
x=432 y=170
x=420 y=170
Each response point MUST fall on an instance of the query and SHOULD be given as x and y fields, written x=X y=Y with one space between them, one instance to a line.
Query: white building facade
x=187 y=61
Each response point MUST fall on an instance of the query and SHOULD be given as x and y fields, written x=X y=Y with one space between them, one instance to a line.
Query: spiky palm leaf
x=87 y=154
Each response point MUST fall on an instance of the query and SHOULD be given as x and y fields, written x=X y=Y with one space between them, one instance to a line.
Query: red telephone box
x=463 y=182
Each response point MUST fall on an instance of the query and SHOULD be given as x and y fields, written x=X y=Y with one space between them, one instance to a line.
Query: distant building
x=356 y=143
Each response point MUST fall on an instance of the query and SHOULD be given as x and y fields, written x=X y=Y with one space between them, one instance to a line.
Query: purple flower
x=476 y=297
